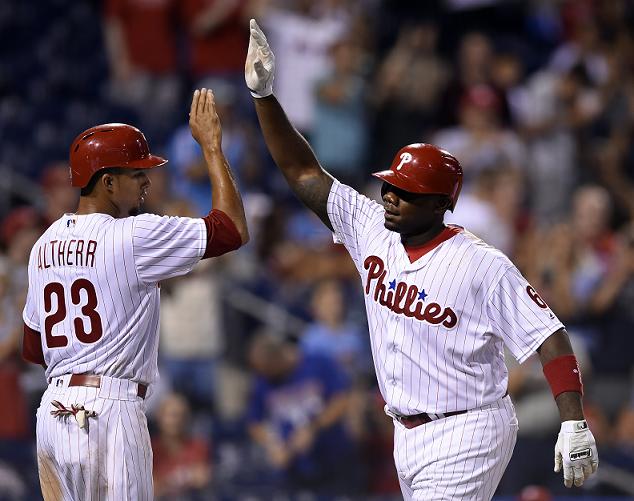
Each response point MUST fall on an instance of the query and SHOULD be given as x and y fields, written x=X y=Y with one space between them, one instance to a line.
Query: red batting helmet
x=425 y=168
x=109 y=145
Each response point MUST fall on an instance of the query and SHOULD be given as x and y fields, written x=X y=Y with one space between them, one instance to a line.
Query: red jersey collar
x=416 y=252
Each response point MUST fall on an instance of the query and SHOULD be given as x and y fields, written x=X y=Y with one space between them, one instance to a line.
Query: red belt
x=424 y=418
x=95 y=382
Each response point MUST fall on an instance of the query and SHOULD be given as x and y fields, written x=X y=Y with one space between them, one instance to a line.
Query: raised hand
x=203 y=119
x=259 y=67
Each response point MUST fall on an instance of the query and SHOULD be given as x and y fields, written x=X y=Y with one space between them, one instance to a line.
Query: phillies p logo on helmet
x=406 y=158
x=424 y=168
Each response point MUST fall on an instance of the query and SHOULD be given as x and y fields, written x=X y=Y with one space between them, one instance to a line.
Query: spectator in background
x=301 y=34
x=625 y=425
x=611 y=302
x=59 y=196
x=375 y=432
x=491 y=209
x=182 y=466
x=507 y=73
x=614 y=156
x=472 y=69
x=14 y=418
x=192 y=327
x=479 y=140
x=552 y=109
x=572 y=258
x=140 y=42
x=584 y=47
x=332 y=335
x=215 y=38
x=298 y=404
x=340 y=136
x=407 y=89
x=19 y=232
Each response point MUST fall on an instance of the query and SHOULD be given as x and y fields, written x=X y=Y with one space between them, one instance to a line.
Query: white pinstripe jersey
x=438 y=325
x=94 y=290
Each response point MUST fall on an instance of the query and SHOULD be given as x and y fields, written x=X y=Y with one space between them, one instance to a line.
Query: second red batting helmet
x=109 y=145
x=425 y=168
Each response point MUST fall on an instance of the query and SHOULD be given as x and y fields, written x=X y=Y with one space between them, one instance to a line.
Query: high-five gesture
x=207 y=131
x=203 y=119
x=259 y=68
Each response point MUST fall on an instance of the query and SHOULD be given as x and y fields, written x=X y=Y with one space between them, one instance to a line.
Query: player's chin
x=135 y=211
x=391 y=224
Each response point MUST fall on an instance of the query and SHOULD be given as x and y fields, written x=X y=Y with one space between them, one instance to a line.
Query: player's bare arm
x=290 y=151
x=207 y=131
x=575 y=450
x=568 y=402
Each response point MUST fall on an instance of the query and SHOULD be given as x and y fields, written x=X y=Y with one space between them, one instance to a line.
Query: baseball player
x=92 y=311
x=441 y=306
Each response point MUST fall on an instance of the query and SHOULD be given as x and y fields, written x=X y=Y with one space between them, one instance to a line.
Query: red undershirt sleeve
x=32 y=346
x=222 y=234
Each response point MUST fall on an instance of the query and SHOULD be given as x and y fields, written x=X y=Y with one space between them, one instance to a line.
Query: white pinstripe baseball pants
x=110 y=460
x=459 y=457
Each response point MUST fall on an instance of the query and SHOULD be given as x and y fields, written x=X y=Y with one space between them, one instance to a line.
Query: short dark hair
x=88 y=189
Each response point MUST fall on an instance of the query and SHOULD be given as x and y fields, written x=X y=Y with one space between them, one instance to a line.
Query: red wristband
x=563 y=374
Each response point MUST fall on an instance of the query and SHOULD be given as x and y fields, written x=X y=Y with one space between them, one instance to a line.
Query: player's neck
x=424 y=237
x=95 y=205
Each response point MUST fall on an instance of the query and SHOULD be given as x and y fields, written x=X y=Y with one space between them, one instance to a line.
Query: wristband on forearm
x=563 y=374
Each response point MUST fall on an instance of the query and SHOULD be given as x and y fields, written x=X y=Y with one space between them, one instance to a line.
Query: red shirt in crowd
x=221 y=50
x=149 y=30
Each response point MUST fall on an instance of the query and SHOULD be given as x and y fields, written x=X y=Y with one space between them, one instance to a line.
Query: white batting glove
x=576 y=451
x=259 y=67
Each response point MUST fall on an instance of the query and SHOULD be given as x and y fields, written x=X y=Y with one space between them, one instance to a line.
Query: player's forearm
x=569 y=402
x=224 y=190
x=290 y=151
x=570 y=406
x=293 y=155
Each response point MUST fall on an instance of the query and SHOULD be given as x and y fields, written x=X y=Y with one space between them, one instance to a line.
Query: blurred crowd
x=267 y=386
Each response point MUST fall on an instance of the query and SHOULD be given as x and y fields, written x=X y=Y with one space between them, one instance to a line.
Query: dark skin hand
x=569 y=402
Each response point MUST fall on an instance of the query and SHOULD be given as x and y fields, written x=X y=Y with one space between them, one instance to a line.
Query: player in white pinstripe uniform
x=92 y=311
x=441 y=305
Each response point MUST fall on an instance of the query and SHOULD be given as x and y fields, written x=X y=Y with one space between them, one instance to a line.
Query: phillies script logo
x=404 y=299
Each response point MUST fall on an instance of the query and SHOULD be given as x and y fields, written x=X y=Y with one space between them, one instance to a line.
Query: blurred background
x=536 y=99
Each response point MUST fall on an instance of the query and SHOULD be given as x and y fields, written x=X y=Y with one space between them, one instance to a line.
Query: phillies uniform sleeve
x=352 y=216
x=32 y=346
x=519 y=315
x=166 y=247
